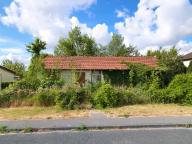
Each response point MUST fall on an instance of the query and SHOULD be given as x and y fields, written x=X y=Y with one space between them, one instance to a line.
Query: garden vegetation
x=170 y=82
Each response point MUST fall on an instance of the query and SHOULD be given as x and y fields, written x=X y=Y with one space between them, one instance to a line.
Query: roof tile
x=95 y=63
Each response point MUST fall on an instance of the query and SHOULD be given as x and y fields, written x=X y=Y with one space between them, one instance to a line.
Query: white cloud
x=47 y=19
x=159 y=22
x=122 y=13
x=14 y=50
x=100 y=32
x=184 y=46
x=16 y=57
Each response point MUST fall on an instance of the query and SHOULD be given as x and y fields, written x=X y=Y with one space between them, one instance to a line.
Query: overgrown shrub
x=49 y=82
x=71 y=98
x=33 y=84
x=46 y=97
x=105 y=96
x=160 y=96
x=139 y=95
x=188 y=99
x=180 y=87
x=5 y=98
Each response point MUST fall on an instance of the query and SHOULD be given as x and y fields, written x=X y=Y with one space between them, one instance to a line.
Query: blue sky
x=147 y=24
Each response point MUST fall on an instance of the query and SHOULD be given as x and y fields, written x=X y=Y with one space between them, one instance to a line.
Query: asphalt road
x=140 y=136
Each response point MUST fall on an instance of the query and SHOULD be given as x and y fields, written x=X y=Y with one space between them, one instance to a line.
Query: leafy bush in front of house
x=180 y=88
x=33 y=84
x=160 y=96
x=139 y=95
x=71 y=98
x=49 y=82
x=105 y=96
x=46 y=97
x=5 y=98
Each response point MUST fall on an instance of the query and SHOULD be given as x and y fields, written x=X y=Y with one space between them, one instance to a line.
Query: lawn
x=126 y=111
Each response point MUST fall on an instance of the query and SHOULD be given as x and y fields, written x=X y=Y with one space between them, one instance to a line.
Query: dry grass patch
x=24 y=113
x=150 y=110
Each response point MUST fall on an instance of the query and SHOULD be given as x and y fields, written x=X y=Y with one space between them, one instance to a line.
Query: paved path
x=141 y=136
x=100 y=122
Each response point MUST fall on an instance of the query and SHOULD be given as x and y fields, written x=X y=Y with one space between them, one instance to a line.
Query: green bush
x=71 y=98
x=27 y=84
x=188 y=99
x=180 y=88
x=46 y=97
x=51 y=82
x=139 y=95
x=160 y=96
x=5 y=99
x=105 y=96
x=125 y=97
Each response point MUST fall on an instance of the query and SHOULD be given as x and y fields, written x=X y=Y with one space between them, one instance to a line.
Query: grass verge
x=150 y=110
x=23 y=113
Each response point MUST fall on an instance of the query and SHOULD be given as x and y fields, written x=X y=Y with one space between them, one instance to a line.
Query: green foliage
x=117 y=47
x=3 y=129
x=139 y=74
x=46 y=97
x=51 y=81
x=76 y=44
x=17 y=67
x=28 y=130
x=189 y=69
x=36 y=47
x=71 y=98
x=105 y=96
x=160 y=96
x=171 y=61
x=36 y=69
x=32 y=84
x=116 y=78
x=5 y=97
x=82 y=127
x=180 y=88
x=137 y=95
x=65 y=48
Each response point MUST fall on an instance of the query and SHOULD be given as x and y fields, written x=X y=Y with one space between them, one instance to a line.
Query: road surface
x=134 y=136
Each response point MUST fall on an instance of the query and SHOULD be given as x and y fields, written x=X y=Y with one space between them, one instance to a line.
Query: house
x=92 y=69
x=187 y=59
x=6 y=76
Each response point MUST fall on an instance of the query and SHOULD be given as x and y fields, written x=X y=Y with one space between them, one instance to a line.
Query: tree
x=65 y=48
x=76 y=44
x=117 y=47
x=36 y=69
x=36 y=47
x=170 y=60
x=17 y=67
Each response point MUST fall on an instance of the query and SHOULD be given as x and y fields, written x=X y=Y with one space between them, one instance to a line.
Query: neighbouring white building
x=6 y=76
x=187 y=59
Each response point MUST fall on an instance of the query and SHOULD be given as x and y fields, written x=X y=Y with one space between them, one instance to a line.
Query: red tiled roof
x=95 y=63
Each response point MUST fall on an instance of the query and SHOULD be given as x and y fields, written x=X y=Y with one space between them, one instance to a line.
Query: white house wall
x=6 y=76
x=186 y=63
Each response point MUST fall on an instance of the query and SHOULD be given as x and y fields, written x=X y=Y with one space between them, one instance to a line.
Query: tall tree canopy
x=36 y=68
x=117 y=47
x=36 y=47
x=76 y=44
x=170 y=60
x=17 y=67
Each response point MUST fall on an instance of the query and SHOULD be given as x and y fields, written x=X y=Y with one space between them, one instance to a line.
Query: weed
x=82 y=127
